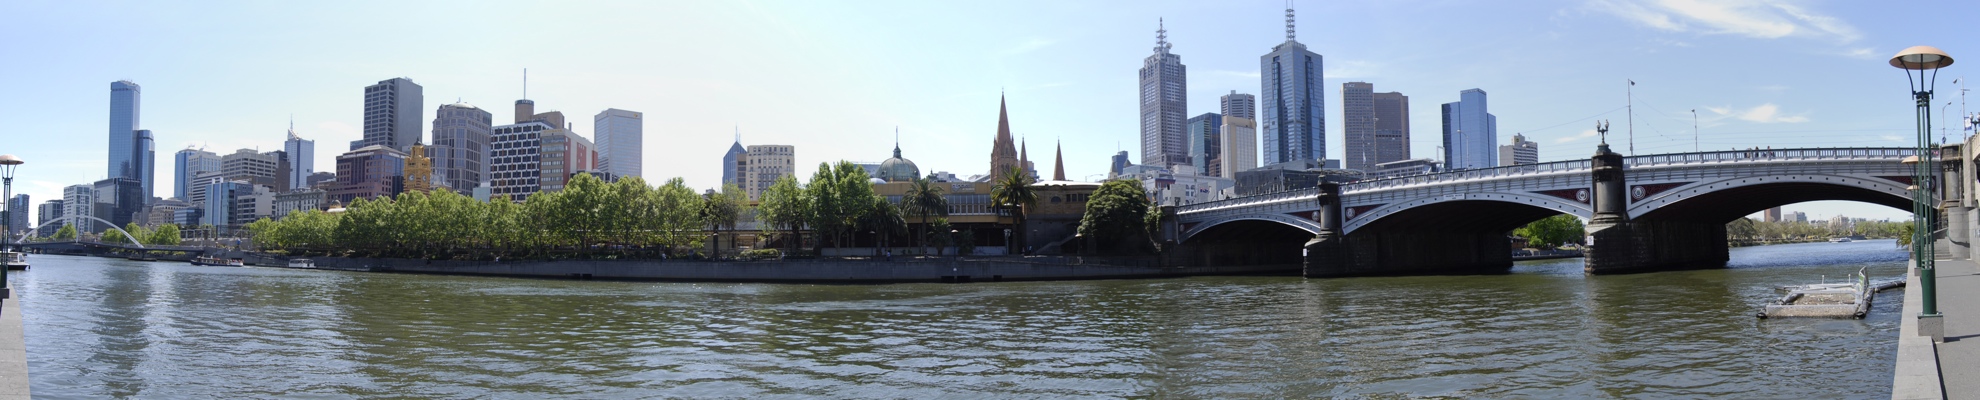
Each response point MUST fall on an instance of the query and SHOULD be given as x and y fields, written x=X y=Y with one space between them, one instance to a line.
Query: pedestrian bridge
x=1677 y=205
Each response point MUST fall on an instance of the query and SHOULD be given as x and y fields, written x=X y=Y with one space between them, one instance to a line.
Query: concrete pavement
x=13 y=351
x=1959 y=301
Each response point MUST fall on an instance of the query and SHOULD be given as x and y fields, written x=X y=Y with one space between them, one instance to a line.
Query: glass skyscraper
x=619 y=135
x=130 y=152
x=392 y=114
x=302 y=159
x=1470 y=132
x=1292 y=105
x=1206 y=144
x=187 y=164
x=461 y=135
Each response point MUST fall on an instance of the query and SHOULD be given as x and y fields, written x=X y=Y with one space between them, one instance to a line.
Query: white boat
x=14 y=260
x=1839 y=240
x=218 y=262
x=303 y=263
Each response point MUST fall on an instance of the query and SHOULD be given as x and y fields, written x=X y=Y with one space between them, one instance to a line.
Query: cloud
x=1577 y=137
x=1029 y=45
x=1765 y=113
x=1760 y=19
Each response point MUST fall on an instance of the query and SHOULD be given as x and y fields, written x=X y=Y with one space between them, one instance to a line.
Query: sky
x=838 y=79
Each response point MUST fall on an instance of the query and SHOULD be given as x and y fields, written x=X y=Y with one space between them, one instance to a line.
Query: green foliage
x=725 y=208
x=115 y=236
x=840 y=195
x=1741 y=228
x=939 y=235
x=67 y=232
x=1116 y=213
x=1014 y=190
x=924 y=199
x=1905 y=233
x=165 y=235
x=784 y=204
x=966 y=243
x=1552 y=231
x=884 y=220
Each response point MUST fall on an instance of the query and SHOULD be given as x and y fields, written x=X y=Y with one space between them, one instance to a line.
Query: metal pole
x=9 y=215
x=1922 y=211
x=1694 y=130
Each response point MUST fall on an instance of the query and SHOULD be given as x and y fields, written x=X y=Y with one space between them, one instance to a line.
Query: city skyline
x=1553 y=68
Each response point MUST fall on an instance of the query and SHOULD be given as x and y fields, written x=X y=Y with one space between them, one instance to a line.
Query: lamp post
x=1926 y=60
x=7 y=164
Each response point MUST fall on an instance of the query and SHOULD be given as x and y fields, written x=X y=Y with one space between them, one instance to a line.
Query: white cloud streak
x=1760 y=19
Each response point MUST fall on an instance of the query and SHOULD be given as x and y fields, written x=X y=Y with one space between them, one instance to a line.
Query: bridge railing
x=1862 y=153
x=1472 y=174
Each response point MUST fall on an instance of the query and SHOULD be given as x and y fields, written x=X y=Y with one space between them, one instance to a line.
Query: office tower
x=1003 y=149
x=1120 y=162
x=767 y=163
x=1391 y=127
x=1205 y=145
x=1358 y=125
x=460 y=147
x=1771 y=215
x=1470 y=132
x=17 y=216
x=514 y=159
x=252 y=167
x=124 y=103
x=392 y=114
x=734 y=162
x=366 y=173
x=565 y=153
x=189 y=163
x=1240 y=146
x=1292 y=107
x=301 y=159
x=1241 y=105
x=118 y=200
x=1164 y=101
x=1519 y=152
x=220 y=210
x=78 y=206
x=48 y=214
x=619 y=134
x=147 y=160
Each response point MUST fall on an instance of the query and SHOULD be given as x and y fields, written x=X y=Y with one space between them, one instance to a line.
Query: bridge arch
x=1491 y=209
x=134 y=238
x=1304 y=224
x=1723 y=200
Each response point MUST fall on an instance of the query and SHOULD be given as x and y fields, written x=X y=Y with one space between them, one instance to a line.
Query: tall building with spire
x=1059 y=162
x=1292 y=105
x=301 y=158
x=735 y=162
x=1003 y=149
x=1164 y=105
x=1024 y=161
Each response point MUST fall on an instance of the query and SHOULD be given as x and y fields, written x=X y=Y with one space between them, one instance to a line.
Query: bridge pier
x=1332 y=254
x=1617 y=244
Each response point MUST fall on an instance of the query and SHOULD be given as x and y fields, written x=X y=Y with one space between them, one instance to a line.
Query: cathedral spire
x=1059 y=162
x=1003 y=150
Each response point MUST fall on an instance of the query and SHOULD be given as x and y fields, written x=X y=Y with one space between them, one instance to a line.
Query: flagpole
x=1630 y=106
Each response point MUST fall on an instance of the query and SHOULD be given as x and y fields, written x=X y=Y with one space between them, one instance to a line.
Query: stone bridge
x=1651 y=212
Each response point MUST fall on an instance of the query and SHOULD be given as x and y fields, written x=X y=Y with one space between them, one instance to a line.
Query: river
x=100 y=328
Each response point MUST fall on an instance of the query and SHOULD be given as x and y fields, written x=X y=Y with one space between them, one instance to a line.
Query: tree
x=68 y=232
x=940 y=236
x=784 y=204
x=1115 y=214
x=1742 y=228
x=884 y=220
x=724 y=209
x=925 y=199
x=1014 y=191
x=165 y=235
x=840 y=195
x=1552 y=231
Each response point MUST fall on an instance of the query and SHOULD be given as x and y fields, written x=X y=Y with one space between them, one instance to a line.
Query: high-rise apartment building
x=392 y=114
x=1164 y=105
x=368 y=172
x=147 y=159
x=187 y=164
x=766 y=163
x=1292 y=105
x=17 y=216
x=1240 y=146
x=1391 y=127
x=1470 y=133
x=252 y=167
x=619 y=134
x=1205 y=144
x=130 y=152
x=1519 y=152
x=301 y=159
x=564 y=154
x=1241 y=105
x=460 y=147
x=78 y=205
x=48 y=215
x=515 y=159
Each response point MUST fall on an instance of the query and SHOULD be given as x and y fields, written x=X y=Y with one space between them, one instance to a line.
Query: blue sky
x=836 y=78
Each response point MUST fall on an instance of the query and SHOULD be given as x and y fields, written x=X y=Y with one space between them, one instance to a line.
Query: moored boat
x=303 y=263
x=218 y=262
x=14 y=260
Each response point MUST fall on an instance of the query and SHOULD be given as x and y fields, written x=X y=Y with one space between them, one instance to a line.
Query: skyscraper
x=365 y=173
x=302 y=159
x=1164 y=105
x=1240 y=145
x=460 y=146
x=1470 y=132
x=1292 y=105
x=142 y=150
x=78 y=205
x=1205 y=145
x=1391 y=127
x=767 y=163
x=734 y=162
x=187 y=164
x=1241 y=105
x=619 y=134
x=17 y=216
x=1519 y=152
x=124 y=101
x=392 y=114
x=1358 y=125
x=514 y=159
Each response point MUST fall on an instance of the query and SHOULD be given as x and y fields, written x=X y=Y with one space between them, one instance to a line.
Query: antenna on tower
x=525 y=83
x=1289 y=20
x=1161 y=36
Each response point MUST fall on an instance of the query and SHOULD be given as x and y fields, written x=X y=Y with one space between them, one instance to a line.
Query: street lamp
x=1926 y=60
x=7 y=164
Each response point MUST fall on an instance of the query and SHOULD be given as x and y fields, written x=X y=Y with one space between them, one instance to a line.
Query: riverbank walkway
x=13 y=351
x=1949 y=370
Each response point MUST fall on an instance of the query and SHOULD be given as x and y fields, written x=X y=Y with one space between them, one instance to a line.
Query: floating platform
x=1829 y=300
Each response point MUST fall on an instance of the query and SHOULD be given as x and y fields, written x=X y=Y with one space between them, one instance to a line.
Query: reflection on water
x=114 y=328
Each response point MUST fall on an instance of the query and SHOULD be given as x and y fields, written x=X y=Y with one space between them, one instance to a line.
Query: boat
x=1844 y=239
x=303 y=263
x=141 y=257
x=14 y=260
x=218 y=262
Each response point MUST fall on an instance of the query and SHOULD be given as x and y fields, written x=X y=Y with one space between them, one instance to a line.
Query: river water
x=100 y=328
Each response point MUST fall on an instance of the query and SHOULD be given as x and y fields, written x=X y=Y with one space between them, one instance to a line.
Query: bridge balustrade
x=1873 y=153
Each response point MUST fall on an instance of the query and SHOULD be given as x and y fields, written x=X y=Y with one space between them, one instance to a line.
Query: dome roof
x=898 y=169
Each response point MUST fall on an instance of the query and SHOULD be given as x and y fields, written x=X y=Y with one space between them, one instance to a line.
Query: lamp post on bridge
x=7 y=164
x=1927 y=61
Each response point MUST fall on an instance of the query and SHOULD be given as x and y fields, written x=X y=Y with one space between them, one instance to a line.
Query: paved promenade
x=13 y=352
x=1946 y=370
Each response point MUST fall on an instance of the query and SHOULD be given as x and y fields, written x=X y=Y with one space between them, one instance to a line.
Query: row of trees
x=1551 y=232
x=165 y=235
x=1750 y=229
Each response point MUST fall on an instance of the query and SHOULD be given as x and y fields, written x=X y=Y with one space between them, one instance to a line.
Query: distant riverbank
x=903 y=269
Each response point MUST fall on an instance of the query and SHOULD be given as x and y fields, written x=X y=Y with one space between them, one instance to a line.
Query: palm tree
x=1014 y=190
x=925 y=199
x=884 y=220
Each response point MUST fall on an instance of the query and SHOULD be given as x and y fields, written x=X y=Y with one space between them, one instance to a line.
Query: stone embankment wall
x=847 y=271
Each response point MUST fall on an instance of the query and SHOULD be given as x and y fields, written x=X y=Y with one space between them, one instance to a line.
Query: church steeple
x=1003 y=151
x=1024 y=159
x=1059 y=162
